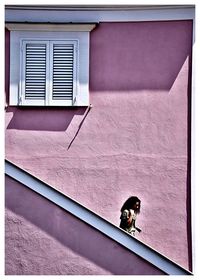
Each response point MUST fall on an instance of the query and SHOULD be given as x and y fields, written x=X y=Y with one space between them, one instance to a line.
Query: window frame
x=77 y=33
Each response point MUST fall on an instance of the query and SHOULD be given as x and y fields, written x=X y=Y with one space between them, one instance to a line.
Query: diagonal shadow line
x=74 y=233
x=80 y=125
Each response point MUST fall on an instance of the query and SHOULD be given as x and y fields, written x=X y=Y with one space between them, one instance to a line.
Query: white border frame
x=141 y=13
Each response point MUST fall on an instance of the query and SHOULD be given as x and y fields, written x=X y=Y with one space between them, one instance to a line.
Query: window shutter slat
x=63 y=58
x=35 y=72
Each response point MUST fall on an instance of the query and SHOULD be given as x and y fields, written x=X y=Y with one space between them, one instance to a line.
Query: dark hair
x=128 y=204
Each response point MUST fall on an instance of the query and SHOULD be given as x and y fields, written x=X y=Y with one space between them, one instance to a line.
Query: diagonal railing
x=94 y=220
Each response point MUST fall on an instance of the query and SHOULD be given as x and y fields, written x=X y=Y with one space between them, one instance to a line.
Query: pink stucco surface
x=41 y=238
x=135 y=139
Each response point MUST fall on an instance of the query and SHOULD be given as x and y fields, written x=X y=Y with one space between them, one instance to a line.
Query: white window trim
x=53 y=27
x=49 y=32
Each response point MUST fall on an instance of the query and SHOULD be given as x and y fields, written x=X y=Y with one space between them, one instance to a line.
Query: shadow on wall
x=123 y=57
x=73 y=233
x=44 y=119
x=138 y=55
x=36 y=118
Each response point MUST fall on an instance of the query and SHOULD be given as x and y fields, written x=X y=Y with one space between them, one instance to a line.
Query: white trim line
x=91 y=218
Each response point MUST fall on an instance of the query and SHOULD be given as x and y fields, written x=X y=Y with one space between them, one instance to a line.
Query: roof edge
x=94 y=7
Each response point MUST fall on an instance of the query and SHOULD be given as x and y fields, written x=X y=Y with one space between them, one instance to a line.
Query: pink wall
x=41 y=238
x=134 y=141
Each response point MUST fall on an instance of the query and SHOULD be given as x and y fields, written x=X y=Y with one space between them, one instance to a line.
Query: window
x=49 y=67
x=48 y=72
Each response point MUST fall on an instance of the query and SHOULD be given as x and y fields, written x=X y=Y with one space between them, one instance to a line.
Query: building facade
x=115 y=122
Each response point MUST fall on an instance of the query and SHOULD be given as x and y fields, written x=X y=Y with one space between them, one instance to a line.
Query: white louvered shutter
x=63 y=72
x=49 y=73
x=35 y=71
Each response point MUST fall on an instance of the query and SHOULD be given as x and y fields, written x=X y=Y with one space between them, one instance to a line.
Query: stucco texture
x=43 y=239
x=134 y=140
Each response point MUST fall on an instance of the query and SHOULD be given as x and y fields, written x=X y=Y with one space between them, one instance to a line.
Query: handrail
x=93 y=219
